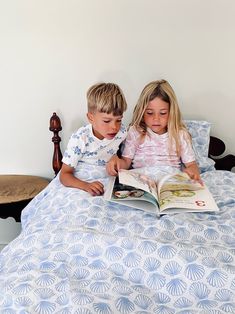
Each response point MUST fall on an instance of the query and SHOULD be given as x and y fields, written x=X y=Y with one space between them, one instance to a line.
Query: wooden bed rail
x=55 y=127
x=216 y=149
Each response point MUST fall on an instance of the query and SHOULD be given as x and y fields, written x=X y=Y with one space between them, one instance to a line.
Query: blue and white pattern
x=84 y=147
x=81 y=254
x=200 y=132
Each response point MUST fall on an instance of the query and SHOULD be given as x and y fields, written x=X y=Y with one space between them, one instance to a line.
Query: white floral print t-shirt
x=84 y=147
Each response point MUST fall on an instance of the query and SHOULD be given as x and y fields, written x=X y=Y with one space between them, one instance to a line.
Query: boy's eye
x=108 y=121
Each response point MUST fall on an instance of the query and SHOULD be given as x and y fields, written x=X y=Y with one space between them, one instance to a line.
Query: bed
x=81 y=254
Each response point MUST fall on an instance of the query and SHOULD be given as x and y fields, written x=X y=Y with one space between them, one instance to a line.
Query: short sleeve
x=73 y=152
x=187 y=153
x=131 y=143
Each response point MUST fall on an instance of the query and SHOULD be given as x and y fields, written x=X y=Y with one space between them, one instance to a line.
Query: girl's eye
x=163 y=113
x=106 y=121
x=149 y=112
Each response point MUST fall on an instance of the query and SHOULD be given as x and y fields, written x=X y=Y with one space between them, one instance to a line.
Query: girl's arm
x=187 y=153
x=67 y=178
x=191 y=168
x=115 y=164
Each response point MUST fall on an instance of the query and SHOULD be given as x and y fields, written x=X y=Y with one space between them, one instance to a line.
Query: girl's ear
x=90 y=117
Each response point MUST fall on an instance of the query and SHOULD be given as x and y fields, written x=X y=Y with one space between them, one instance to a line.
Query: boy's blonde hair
x=107 y=98
x=163 y=90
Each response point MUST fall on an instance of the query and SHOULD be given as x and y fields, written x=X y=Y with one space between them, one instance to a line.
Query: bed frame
x=216 y=149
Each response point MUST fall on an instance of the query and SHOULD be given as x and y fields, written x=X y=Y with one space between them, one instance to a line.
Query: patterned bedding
x=81 y=254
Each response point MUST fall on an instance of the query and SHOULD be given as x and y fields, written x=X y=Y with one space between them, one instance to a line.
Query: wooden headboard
x=216 y=149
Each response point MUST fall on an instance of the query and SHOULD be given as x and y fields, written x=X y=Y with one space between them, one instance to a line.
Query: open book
x=173 y=193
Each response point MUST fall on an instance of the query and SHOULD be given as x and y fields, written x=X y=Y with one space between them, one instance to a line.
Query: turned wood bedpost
x=55 y=127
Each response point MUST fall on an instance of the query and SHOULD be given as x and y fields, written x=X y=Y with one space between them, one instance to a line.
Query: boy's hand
x=192 y=170
x=94 y=188
x=67 y=178
x=113 y=165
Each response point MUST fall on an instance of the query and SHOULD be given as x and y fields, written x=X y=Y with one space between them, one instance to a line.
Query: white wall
x=53 y=50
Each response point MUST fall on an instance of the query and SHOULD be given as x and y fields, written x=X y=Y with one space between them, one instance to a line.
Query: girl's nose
x=156 y=117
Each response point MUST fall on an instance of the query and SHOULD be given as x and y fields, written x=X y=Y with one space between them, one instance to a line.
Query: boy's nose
x=114 y=126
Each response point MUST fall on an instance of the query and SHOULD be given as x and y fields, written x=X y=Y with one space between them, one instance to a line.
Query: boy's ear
x=90 y=117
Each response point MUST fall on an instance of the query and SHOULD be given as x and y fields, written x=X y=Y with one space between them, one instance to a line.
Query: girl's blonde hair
x=107 y=98
x=163 y=90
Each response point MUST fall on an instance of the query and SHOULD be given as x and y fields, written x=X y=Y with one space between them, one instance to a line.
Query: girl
x=157 y=135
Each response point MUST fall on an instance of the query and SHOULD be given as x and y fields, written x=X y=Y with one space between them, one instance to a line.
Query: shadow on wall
x=9 y=230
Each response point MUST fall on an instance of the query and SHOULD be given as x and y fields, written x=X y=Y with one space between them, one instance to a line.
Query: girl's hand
x=193 y=171
x=94 y=188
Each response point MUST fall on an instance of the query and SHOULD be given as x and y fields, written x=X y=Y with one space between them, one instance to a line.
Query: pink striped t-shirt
x=152 y=149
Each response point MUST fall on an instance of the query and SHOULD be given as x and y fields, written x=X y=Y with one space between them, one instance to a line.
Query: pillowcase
x=200 y=132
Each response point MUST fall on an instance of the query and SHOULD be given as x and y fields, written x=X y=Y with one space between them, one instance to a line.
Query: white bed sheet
x=81 y=254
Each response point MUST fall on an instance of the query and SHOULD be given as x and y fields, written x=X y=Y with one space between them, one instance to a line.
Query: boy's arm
x=67 y=178
x=115 y=164
x=191 y=168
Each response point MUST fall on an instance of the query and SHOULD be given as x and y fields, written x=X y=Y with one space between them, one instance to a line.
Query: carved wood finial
x=55 y=127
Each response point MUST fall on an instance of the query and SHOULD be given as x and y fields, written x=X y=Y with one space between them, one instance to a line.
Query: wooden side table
x=16 y=191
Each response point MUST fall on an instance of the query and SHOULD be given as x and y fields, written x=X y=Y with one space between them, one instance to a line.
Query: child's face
x=104 y=125
x=156 y=115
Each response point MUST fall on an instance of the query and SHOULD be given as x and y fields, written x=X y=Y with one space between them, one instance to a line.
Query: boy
x=97 y=142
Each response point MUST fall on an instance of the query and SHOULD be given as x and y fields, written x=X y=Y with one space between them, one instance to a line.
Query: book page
x=130 y=196
x=125 y=192
x=179 y=191
x=178 y=181
x=139 y=181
